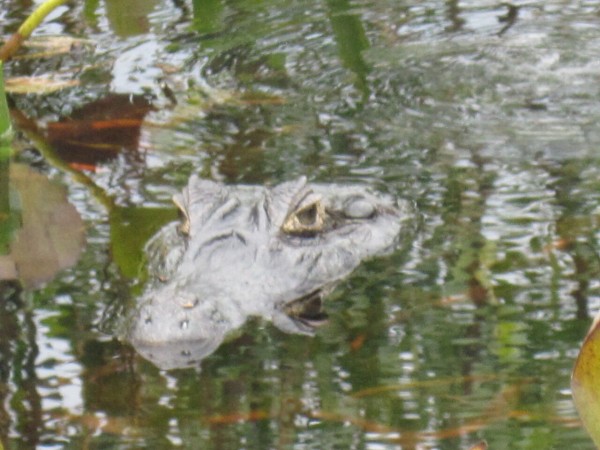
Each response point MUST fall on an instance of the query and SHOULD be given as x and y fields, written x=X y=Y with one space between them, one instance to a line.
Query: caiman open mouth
x=308 y=309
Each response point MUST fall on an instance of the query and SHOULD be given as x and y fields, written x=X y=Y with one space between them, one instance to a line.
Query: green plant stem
x=14 y=42
x=37 y=16
x=50 y=155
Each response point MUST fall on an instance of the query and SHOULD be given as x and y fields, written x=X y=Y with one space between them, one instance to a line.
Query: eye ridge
x=306 y=221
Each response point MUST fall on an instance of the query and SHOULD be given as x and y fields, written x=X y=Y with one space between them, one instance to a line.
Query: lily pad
x=585 y=382
x=51 y=235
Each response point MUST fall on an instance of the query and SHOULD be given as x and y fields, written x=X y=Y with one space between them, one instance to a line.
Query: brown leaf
x=52 y=234
x=8 y=270
x=98 y=131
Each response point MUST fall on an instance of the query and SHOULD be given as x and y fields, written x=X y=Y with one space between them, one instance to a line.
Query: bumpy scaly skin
x=252 y=251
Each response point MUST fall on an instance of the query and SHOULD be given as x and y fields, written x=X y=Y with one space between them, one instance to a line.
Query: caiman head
x=245 y=251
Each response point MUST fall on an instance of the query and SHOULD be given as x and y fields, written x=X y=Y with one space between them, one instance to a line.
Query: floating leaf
x=585 y=382
x=37 y=85
x=52 y=232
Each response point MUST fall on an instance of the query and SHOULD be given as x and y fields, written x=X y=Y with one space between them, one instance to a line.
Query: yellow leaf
x=56 y=43
x=46 y=46
x=37 y=85
x=585 y=382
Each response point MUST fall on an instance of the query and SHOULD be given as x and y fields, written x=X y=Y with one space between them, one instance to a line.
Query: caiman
x=243 y=251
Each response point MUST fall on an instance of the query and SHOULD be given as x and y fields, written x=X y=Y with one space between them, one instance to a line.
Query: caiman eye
x=306 y=221
x=359 y=208
x=309 y=216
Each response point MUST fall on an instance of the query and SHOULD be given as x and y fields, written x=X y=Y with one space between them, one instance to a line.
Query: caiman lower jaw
x=308 y=309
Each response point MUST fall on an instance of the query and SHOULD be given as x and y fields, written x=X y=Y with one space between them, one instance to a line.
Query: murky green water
x=468 y=333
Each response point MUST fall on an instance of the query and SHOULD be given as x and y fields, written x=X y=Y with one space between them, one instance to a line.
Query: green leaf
x=10 y=211
x=585 y=382
x=5 y=128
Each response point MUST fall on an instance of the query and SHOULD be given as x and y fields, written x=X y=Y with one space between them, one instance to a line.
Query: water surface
x=483 y=115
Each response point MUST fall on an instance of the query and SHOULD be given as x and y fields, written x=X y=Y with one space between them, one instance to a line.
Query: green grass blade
x=5 y=127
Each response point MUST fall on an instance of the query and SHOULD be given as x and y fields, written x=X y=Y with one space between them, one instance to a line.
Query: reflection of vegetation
x=351 y=40
x=131 y=17
x=18 y=347
x=468 y=255
x=130 y=229
x=398 y=329
x=575 y=227
x=207 y=15
x=586 y=380
x=454 y=15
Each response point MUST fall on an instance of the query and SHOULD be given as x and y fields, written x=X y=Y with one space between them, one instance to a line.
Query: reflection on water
x=484 y=114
